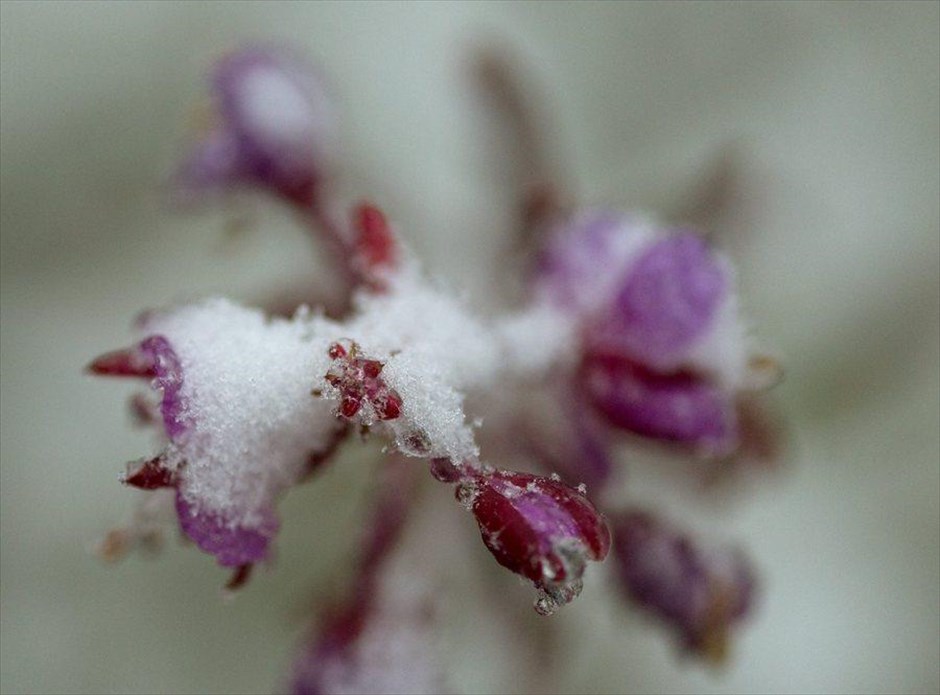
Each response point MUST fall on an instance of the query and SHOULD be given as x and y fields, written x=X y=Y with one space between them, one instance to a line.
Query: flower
x=274 y=127
x=239 y=420
x=539 y=528
x=630 y=326
x=702 y=594
x=663 y=349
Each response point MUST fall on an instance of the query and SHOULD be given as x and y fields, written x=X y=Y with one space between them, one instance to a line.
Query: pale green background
x=835 y=108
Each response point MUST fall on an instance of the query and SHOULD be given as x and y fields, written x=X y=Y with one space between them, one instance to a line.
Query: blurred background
x=824 y=118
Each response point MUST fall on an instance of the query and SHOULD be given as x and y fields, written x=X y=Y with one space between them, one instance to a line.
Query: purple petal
x=582 y=259
x=680 y=406
x=660 y=570
x=231 y=546
x=668 y=300
x=169 y=378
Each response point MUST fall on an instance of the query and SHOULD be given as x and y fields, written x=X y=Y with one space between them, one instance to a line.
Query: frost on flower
x=629 y=327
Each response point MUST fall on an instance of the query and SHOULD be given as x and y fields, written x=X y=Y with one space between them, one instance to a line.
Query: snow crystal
x=246 y=390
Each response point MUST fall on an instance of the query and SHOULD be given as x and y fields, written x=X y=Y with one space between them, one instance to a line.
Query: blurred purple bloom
x=647 y=303
x=668 y=299
x=583 y=259
x=701 y=593
x=275 y=128
x=677 y=407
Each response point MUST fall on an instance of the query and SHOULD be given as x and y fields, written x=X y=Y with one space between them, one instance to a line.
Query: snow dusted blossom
x=630 y=327
x=664 y=351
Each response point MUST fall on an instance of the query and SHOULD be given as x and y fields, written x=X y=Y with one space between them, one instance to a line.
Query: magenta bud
x=374 y=247
x=130 y=362
x=539 y=528
x=150 y=475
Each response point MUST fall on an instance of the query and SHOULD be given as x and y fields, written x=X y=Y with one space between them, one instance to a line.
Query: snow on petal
x=243 y=387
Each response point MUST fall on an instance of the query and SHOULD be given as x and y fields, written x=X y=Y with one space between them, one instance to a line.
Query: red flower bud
x=539 y=528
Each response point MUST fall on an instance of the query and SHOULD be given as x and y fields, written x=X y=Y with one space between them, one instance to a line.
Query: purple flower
x=584 y=258
x=275 y=128
x=663 y=350
x=701 y=593
x=667 y=301
x=679 y=407
x=631 y=327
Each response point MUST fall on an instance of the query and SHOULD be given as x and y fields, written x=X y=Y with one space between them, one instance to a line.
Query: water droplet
x=544 y=605
x=467 y=494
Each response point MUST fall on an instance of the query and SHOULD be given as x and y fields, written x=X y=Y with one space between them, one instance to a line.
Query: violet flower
x=238 y=418
x=274 y=128
x=701 y=593
x=664 y=352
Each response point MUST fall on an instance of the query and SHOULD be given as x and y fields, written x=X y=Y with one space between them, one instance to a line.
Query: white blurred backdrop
x=833 y=113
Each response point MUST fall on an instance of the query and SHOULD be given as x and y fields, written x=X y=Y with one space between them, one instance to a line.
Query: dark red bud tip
x=349 y=406
x=371 y=368
x=375 y=243
x=389 y=407
x=150 y=475
x=336 y=351
x=239 y=577
x=129 y=362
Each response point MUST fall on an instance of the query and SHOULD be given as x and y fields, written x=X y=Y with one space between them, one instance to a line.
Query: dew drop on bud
x=467 y=493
